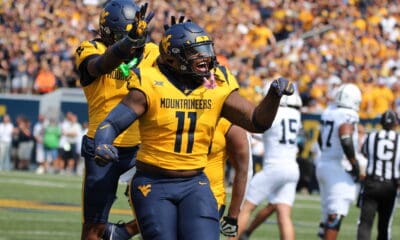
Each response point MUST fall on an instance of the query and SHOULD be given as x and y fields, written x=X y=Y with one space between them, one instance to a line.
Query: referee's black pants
x=377 y=196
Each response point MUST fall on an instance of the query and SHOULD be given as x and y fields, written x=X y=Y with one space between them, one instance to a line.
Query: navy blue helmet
x=184 y=45
x=116 y=19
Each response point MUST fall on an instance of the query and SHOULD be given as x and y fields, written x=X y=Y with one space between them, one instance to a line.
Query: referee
x=378 y=194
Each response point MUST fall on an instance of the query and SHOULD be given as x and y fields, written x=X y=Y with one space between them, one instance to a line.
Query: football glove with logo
x=173 y=21
x=104 y=154
x=139 y=31
x=228 y=226
x=282 y=86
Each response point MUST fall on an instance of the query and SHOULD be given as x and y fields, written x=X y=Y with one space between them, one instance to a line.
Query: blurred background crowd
x=318 y=44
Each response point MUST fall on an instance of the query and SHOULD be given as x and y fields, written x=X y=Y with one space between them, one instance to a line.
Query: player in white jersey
x=338 y=140
x=278 y=179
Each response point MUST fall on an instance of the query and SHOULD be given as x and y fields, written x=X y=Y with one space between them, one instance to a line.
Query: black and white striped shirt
x=382 y=149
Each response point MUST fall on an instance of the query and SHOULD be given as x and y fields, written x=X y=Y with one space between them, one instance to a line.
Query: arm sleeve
x=119 y=119
x=346 y=141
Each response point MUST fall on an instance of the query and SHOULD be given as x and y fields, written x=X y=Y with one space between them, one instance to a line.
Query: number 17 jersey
x=331 y=119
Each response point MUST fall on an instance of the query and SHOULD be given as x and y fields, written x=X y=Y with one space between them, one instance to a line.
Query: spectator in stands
x=6 y=130
x=70 y=131
x=45 y=81
x=38 y=133
x=20 y=81
x=51 y=143
x=383 y=97
x=367 y=102
x=4 y=69
x=24 y=143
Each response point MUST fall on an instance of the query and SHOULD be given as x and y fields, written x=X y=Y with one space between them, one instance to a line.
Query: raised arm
x=124 y=48
x=258 y=119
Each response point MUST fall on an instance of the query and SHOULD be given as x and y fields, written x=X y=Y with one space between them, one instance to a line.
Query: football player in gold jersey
x=230 y=142
x=178 y=102
x=104 y=65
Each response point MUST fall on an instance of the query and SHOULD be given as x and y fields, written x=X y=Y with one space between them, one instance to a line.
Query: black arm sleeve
x=85 y=77
x=346 y=141
x=115 y=55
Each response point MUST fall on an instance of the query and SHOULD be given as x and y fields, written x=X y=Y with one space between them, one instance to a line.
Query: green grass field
x=48 y=207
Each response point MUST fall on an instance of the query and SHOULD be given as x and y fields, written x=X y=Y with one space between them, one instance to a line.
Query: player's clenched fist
x=228 y=226
x=282 y=86
x=105 y=153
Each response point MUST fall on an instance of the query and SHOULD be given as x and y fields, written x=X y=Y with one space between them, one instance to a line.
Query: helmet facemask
x=187 y=52
x=199 y=60
x=194 y=62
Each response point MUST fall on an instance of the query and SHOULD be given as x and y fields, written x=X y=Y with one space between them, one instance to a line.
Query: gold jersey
x=178 y=126
x=105 y=92
x=215 y=169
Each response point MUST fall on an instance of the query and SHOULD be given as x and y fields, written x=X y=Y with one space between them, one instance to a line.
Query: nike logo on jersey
x=104 y=126
x=145 y=189
x=202 y=183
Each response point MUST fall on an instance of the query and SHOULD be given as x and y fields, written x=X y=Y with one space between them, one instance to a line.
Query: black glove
x=104 y=154
x=228 y=226
x=355 y=172
x=282 y=86
x=173 y=21
x=139 y=32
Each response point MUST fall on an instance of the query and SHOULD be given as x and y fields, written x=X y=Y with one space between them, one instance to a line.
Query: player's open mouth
x=201 y=66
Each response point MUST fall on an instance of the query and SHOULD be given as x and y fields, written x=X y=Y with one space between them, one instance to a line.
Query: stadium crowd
x=318 y=44
x=47 y=145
